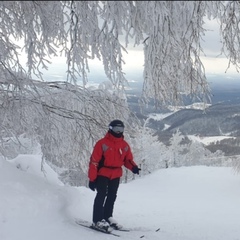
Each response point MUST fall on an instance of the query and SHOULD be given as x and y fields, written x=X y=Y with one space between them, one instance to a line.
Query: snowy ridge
x=208 y=140
x=188 y=203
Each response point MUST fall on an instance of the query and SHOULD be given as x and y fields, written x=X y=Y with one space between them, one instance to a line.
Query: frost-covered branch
x=169 y=31
x=66 y=120
x=230 y=27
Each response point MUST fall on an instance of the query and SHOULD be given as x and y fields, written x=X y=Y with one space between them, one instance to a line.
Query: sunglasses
x=117 y=129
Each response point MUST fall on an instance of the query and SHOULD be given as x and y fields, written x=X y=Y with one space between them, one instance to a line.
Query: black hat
x=115 y=123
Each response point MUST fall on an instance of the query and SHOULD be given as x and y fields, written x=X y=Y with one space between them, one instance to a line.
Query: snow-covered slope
x=189 y=203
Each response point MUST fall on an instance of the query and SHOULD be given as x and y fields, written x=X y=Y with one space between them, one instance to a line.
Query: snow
x=198 y=105
x=158 y=116
x=188 y=203
x=208 y=140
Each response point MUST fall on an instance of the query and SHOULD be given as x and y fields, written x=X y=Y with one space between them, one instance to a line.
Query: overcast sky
x=215 y=65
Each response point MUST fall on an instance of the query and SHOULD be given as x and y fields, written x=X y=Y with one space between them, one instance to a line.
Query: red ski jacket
x=108 y=157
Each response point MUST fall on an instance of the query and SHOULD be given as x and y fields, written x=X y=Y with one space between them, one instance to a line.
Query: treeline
x=229 y=147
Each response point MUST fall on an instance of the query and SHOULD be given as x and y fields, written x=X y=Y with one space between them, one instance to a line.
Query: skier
x=105 y=169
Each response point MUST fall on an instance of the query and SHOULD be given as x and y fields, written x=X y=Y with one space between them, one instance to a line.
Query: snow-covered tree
x=174 y=149
x=66 y=120
x=169 y=31
x=149 y=151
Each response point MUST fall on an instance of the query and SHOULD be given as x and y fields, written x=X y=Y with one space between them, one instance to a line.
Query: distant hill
x=220 y=119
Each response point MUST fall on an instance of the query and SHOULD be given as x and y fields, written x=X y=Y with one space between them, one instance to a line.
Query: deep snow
x=187 y=203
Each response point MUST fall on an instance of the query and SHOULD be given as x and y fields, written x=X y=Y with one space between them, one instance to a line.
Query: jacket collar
x=112 y=138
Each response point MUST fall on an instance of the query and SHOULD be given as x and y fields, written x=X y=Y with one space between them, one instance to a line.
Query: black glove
x=92 y=185
x=136 y=170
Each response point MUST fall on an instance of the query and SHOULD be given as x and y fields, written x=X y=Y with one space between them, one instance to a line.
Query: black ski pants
x=105 y=198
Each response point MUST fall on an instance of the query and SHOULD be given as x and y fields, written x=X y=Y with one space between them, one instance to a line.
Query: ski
x=87 y=225
x=122 y=229
x=100 y=230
